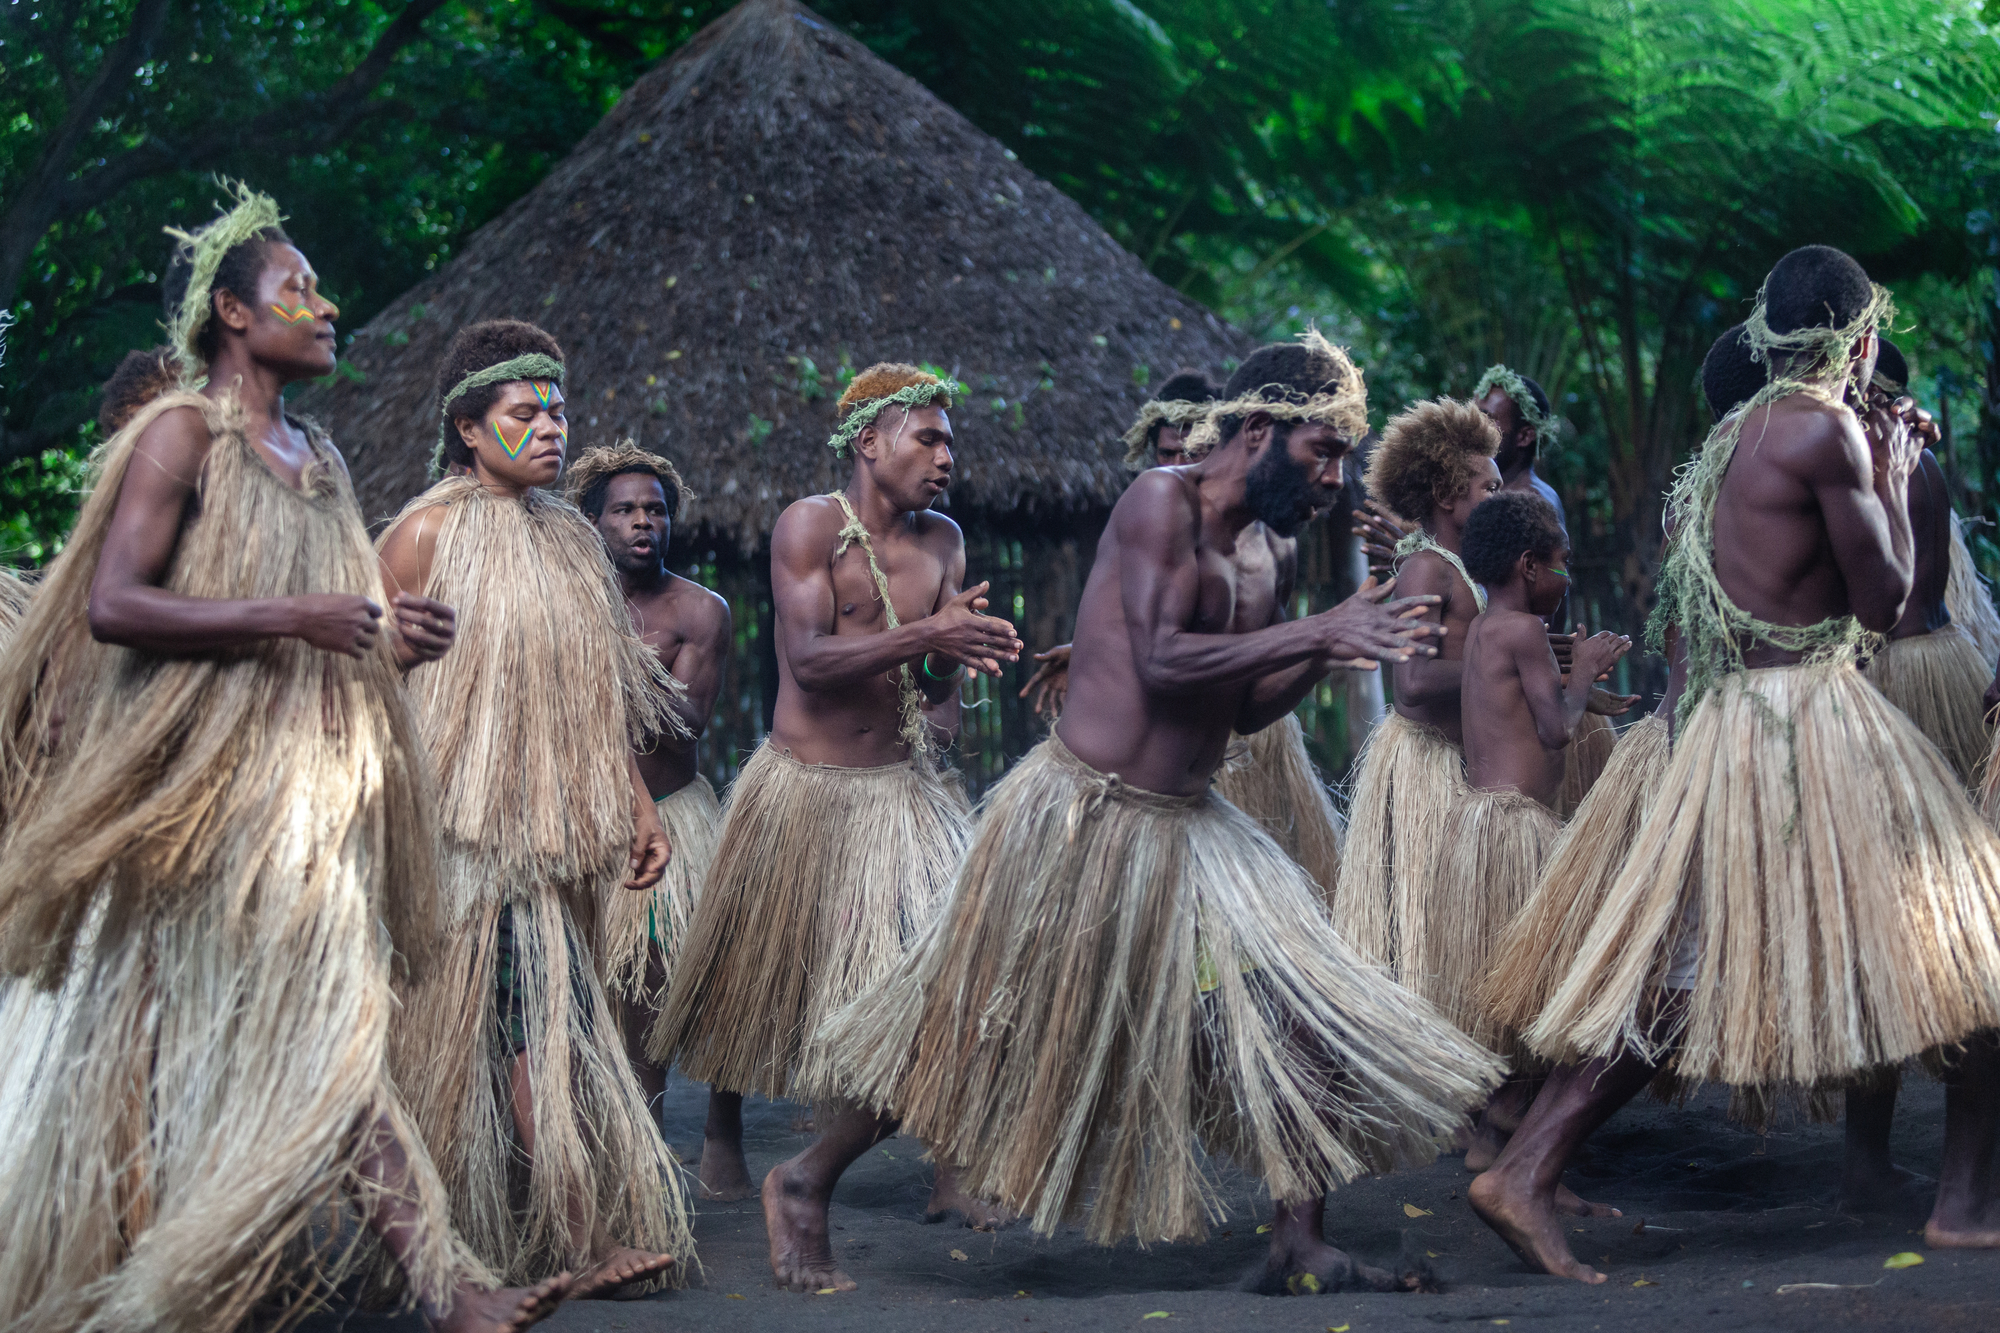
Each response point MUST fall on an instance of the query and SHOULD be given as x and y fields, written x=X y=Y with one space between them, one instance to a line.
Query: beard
x=1277 y=491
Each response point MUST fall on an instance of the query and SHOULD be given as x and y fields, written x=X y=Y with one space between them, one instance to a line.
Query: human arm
x=424 y=627
x=1558 y=702
x=701 y=659
x=129 y=607
x=1156 y=528
x=939 y=673
x=1428 y=680
x=1858 y=471
x=820 y=660
x=650 y=850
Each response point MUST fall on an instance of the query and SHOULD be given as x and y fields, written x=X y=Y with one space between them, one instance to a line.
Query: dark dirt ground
x=1732 y=1217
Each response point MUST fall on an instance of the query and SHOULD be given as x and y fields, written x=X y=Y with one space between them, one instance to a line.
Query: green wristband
x=935 y=676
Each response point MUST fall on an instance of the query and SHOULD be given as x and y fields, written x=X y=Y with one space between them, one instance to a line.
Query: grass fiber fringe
x=631 y=925
x=1273 y=781
x=1122 y=977
x=1408 y=776
x=1584 y=758
x=1848 y=894
x=194 y=884
x=824 y=879
x=1496 y=843
x=1939 y=680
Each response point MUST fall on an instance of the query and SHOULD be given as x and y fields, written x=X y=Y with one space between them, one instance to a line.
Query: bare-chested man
x=842 y=833
x=635 y=497
x=1796 y=793
x=1128 y=963
x=208 y=867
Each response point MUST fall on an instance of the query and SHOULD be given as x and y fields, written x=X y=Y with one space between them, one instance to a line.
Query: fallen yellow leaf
x=1430 y=1254
x=1303 y=1283
x=1503 y=1321
x=960 y=1255
x=1411 y=1210
x=827 y=1291
x=1157 y=1314
x=1907 y=1259
x=1642 y=1282
x=1020 y=1295
x=1266 y=1227
x=735 y=1296
x=1342 y=1329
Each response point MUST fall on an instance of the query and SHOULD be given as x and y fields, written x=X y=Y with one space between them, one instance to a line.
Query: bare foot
x=502 y=1311
x=1301 y=1266
x=620 y=1273
x=1569 y=1204
x=1883 y=1189
x=1971 y=1231
x=949 y=1199
x=801 y=1253
x=724 y=1174
x=1528 y=1225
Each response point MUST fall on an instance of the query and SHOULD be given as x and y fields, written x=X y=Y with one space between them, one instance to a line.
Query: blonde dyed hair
x=1426 y=456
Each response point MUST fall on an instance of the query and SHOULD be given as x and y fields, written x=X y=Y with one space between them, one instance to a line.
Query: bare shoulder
x=702 y=612
x=1425 y=572
x=939 y=532
x=1159 y=502
x=1516 y=630
x=178 y=440
x=814 y=520
x=1809 y=437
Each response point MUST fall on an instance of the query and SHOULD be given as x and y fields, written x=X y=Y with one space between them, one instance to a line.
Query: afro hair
x=140 y=378
x=590 y=477
x=1729 y=376
x=474 y=348
x=1502 y=530
x=1186 y=386
x=1425 y=457
x=1816 y=287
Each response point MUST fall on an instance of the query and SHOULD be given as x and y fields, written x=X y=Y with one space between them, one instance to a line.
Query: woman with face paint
x=510 y=1054
x=213 y=805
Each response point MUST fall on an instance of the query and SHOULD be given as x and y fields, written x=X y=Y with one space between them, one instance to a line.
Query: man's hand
x=1561 y=645
x=1596 y=655
x=1379 y=531
x=1050 y=683
x=1368 y=628
x=650 y=852
x=425 y=629
x=337 y=622
x=958 y=630
x=1894 y=446
x=1606 y=704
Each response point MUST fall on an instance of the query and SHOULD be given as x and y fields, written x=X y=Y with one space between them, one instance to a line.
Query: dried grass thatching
x=771 y=204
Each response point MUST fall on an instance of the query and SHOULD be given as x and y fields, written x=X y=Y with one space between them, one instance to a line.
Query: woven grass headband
x=910 y=396
x=204 y=248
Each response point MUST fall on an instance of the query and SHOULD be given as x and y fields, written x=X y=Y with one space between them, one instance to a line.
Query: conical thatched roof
x=768 y=206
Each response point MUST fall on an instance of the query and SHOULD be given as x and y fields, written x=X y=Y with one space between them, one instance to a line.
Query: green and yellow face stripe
x=292 y=314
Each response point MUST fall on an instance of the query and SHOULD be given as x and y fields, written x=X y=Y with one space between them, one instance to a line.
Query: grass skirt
x=1940 y=680
x=630 y=924
x=1122 y=975
x=595 y=1139
x=824 y=879
x=1848 y=894
x=1584 y=758
x=1408 y=778
x=1274 y=782
x=1496 y=845
x=1536 y=951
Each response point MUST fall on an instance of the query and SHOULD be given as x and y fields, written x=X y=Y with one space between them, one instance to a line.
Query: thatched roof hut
x=768 y=208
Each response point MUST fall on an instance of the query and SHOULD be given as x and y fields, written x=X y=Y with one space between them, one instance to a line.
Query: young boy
x=1519 y=715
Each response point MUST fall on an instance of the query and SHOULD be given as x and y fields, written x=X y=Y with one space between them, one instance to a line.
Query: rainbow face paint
x=294 y=314
x=546 y=396
x=514 y=449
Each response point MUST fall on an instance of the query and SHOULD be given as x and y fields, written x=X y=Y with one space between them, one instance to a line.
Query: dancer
x=1158 y=435
x=842 y=831
x=1433 y=468
x=1528 y=424
x=1796 y=795
x=1930 y=667
x=635 y=498
x=1538 y=948
x=1520 y=713
x=199 y=865
x=1129 y=965
x=510 y=1056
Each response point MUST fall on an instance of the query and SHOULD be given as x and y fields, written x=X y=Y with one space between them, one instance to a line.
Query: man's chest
x=913 y=576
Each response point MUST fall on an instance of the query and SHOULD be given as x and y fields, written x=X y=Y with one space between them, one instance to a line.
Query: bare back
x=820 y=589
x=1157 y=567
x=1802 y=530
